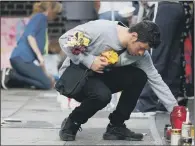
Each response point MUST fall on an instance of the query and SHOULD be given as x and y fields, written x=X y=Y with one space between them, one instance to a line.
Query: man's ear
x=134 y=36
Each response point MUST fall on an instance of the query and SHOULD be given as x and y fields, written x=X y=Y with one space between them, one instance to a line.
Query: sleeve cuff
x=87 y=60
x=170 y=108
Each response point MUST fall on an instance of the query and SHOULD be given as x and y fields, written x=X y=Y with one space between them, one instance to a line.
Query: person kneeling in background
x=31 y=47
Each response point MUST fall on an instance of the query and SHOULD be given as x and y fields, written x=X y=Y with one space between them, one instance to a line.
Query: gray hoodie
x=103 y=36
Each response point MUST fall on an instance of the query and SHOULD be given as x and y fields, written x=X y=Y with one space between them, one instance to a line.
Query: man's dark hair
x=148 y=32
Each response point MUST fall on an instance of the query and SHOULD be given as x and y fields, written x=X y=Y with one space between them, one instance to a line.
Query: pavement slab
x=33 y=117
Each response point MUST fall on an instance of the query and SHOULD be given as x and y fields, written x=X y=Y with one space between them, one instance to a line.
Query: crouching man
x=125 y=51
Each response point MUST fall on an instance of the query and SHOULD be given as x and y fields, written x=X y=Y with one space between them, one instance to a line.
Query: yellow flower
x=72 y=42
x=111 y=56
x=86 y=41
x=82 y=39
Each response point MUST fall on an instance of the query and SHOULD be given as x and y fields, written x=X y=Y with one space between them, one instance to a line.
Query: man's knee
x=103 y=97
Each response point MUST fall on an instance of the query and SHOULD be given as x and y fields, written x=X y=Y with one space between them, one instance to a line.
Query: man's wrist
x=88 y=60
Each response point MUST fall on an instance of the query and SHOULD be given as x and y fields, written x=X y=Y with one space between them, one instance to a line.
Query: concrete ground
x=30 y=117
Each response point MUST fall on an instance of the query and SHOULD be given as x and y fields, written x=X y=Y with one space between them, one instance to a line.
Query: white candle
x=187 y=116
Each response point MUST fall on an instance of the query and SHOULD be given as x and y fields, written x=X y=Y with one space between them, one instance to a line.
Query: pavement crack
x=21 y=107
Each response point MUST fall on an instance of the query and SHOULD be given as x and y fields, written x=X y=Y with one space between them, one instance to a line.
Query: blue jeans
x=108 y=16
x=29 y=73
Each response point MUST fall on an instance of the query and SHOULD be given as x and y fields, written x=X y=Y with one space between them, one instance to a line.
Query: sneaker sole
x=66 y=137
x=3 y=79
x=107 y=136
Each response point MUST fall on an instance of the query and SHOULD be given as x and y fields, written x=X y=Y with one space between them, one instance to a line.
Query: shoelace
x=80 y=129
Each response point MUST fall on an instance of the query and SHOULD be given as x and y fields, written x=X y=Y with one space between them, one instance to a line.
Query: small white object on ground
x=144 y=134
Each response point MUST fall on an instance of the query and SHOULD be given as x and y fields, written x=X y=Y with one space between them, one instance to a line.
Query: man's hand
x=99 y=64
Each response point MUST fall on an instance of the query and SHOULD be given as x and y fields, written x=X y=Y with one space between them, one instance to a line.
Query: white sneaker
x=5 y=77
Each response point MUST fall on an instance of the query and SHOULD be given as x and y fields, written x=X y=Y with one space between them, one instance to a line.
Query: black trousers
x=167 y=57
x=96 y=94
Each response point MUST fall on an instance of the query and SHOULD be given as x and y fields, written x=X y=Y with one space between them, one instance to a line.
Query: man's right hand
x=99 y=64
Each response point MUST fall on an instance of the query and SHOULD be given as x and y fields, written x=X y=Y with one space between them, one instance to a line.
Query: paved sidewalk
x=34 y=118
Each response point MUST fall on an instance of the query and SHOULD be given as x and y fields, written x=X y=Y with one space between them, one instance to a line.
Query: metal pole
x=112 y=11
